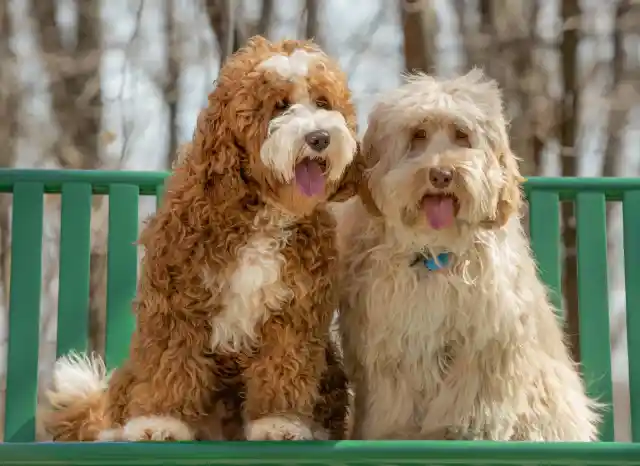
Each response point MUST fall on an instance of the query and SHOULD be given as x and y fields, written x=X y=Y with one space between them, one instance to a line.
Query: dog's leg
x=282 y=387
x=331 y=411
x=485 y=402
x=164 y=390
x=475 y=401
x=384 y=407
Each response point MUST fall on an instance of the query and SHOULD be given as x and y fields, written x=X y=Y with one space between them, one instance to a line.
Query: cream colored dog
x=447 y=330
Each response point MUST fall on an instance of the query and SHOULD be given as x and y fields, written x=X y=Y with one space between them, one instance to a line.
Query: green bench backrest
x=124 y=190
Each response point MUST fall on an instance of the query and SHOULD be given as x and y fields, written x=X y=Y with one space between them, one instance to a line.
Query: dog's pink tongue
x=309 y=178
x=439 y=211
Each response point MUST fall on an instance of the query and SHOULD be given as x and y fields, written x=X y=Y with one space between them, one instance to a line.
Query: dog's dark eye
x=282 y=105
x=420 y=134
x=322 y=102
x=462 y=138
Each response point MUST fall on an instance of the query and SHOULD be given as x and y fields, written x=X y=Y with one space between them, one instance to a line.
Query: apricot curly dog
x=236 y=292
x=447 y=330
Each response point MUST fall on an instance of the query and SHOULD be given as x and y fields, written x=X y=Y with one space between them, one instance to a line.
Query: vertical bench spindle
x=593 y=299
x=544 y=217
x=75 y=249
x=24 y=312
x=122 y=271
x=631 y=225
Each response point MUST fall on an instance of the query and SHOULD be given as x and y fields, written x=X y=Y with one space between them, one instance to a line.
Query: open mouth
x=440 y=209
x=310 y=176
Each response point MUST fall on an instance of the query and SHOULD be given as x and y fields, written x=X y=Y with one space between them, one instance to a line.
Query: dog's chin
x=307 y=189
x=432 y=212
x=433 y=220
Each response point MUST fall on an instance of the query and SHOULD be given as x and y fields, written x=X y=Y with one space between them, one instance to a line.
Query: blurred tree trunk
x=571 y=16
x=478 y=41
x=312 y=26
x=232 y=30
x=471 y=39
x=504 y=44
x=171 y=79
x=75 y=86
x=620 y=103
x=9 y=89
x=266 y=19
x=618 y=107
x=487 y=41
x=221 y=15
x=419 y=27
x=76 y=99
x=10 y=98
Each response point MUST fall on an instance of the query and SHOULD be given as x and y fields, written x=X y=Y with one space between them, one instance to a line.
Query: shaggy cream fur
x=472 y=350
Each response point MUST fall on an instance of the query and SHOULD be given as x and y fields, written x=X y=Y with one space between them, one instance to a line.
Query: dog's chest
x=279 y=262
x=409 y=319
x=250 y=288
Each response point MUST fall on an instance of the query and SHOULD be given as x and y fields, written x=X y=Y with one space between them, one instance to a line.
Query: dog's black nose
x=440 y=177
x=318 y=140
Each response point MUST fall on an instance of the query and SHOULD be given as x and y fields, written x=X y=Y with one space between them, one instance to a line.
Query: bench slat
x=631 y=222
x=121 y=272
x=544 y=217
x=593 y=298
x=75 y=249
x=24 y=312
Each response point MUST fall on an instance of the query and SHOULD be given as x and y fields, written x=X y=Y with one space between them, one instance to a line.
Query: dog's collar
x=439 y=262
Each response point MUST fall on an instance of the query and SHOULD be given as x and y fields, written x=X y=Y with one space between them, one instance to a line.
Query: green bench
x=124 y=190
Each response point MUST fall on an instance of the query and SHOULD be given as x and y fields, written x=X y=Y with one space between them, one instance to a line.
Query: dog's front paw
x=156 y=429
x=278 y=428
x=110 y=435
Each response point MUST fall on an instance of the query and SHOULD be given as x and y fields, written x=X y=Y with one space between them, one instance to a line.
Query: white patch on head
x=285 y=144
x=291 y=66
x=252 y=288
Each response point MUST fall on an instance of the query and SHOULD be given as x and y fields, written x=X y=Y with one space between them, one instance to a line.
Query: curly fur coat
x=237 y=287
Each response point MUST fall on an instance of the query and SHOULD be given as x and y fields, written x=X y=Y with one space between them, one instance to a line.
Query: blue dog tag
x=431 y=264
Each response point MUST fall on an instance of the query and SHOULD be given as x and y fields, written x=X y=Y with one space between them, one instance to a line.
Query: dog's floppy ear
x=370 y=157
x=215 y=159
x=510 y=197
x=486 y=93
x=201 y=186
x=351 y=179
